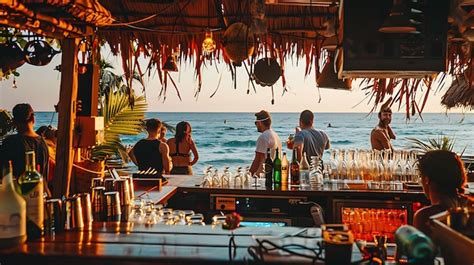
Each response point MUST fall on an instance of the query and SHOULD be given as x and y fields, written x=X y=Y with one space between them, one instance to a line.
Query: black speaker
x=88 y=89
x=367 y=50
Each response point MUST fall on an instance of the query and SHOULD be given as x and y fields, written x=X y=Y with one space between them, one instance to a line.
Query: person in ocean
x=268 y=139
x=151 y=152
x=382 y=134
x=180 y=147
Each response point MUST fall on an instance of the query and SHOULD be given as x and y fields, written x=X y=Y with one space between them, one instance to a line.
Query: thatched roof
x=460 y=94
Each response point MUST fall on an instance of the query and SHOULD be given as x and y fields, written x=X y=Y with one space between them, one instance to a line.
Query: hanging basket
x=238 y=42
x=266 y=71
x=11 y=56
x=39 y=52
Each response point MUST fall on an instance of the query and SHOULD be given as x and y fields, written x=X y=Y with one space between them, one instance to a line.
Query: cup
x=112 y=208
x=53 y=221
x=86 y=208
x=130 y=186
x=73 y=214
x=98 y=204
x=123 y=189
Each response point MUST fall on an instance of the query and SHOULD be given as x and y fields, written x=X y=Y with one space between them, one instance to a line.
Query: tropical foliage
x=120 y=119
x=443 y=142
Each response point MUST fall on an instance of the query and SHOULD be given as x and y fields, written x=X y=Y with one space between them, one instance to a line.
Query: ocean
x=228 y=139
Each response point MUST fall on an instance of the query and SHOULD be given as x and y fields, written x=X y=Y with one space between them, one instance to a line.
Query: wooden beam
x=66 y=117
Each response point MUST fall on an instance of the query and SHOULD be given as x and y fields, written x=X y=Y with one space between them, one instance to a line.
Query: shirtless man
x=382 y=134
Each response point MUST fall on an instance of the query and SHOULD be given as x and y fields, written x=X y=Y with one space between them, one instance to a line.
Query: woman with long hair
x=443 y=177
x=180 y=147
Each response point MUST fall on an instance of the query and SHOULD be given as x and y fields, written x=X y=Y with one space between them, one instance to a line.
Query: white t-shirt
x=268 y=139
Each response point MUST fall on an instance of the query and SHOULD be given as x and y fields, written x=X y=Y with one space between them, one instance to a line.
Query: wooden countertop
x=127 y=244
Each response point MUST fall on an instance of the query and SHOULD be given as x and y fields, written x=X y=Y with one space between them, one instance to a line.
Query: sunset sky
x=40 y=87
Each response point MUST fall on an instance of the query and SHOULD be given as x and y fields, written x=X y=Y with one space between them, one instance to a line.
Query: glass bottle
x=295 y=170
x=304 y=171
x=284 y=170
x=333 y=164
x=277 y=168
x=316 y=173
x=31 y=188
x=268 y=167
x=12 y=212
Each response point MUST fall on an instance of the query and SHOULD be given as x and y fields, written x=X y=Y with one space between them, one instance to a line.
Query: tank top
x=148 y=155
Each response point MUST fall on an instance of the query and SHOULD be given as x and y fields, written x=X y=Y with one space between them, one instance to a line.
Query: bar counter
x=129 y=244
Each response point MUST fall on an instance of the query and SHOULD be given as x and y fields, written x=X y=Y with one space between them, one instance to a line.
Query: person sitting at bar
x=382 y=134
x=443 y=178
x=268 y=139
x=49 y=134
x=151 y=152
x=180 y=147
x=14 y=146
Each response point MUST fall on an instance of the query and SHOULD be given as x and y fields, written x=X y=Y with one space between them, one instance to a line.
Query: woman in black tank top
x=180 y=147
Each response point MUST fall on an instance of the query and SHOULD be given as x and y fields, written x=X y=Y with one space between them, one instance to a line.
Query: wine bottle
x=277 y=168
x=268 y=169
x=284 y=170
x=304 y=171
x=31 y=188
x=12 y=212
x=295 y=170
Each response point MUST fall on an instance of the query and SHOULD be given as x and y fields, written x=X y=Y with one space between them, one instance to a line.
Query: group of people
x=443 y=174
x=172 y=156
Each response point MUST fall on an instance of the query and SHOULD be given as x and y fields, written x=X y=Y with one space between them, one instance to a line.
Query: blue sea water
x=228 y=139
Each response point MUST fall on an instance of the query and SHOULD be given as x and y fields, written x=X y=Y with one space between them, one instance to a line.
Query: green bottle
x=277 y=168
x=31 y=188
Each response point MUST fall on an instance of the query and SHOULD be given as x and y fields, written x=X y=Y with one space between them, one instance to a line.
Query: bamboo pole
x=66 y=117
x=59 y=23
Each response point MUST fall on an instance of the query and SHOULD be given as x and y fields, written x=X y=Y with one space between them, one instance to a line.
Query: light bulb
x=208 y=45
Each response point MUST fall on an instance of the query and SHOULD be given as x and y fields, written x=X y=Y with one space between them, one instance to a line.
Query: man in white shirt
x=268 y=139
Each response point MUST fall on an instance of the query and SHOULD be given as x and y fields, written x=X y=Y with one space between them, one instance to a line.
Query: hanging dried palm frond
x=460 y=94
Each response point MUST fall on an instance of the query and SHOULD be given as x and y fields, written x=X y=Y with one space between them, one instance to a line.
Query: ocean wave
x=342 y=142
x=225 y=161
x=205 y=144
x=247 y=143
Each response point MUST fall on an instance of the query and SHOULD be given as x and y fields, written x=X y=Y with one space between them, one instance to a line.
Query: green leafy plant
x=442 y=142
x=119 y=119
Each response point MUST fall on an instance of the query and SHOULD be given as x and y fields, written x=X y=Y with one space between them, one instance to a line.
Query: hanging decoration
x=238 y=42
x=267 y=71
x=11 y=56
x=209 y=44
x=39 y=52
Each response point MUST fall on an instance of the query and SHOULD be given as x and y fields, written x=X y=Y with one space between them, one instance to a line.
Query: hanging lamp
x=398 y=21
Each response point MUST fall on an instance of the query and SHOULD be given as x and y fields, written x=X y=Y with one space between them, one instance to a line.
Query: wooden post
x=66 y=117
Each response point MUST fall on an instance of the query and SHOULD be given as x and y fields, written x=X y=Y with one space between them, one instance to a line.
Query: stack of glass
x=378 y=169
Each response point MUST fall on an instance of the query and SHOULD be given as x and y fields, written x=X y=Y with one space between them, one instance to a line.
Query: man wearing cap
x=382 y=134
x=267 y=139
x=26 y=139
x=308 y=140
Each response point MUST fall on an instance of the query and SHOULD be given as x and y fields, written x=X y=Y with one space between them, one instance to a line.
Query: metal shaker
x=96 y=182
x=123 y=189
x=86 y=208
x=109 y=184
x=73 y=214
x=130 y=186
x=98 y=204
x=112 y=208
x=53 y=211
